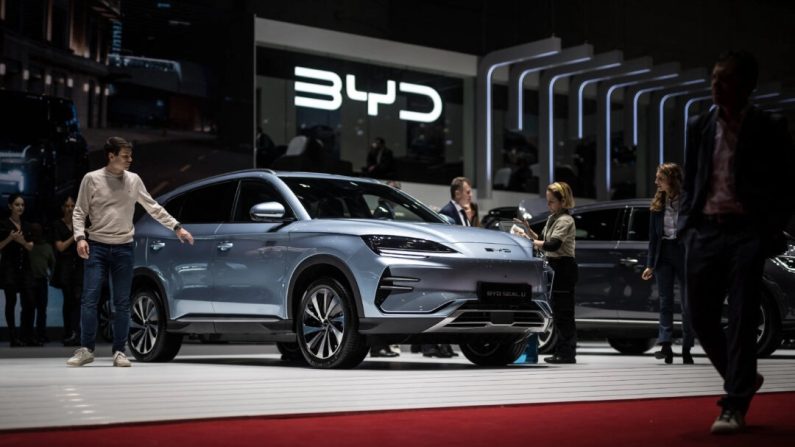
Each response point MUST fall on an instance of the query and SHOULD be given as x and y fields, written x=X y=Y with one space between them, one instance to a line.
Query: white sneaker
x=81 y=357
x=119 y=359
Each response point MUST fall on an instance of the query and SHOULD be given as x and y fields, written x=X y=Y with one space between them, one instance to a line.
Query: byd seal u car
x=324 y=265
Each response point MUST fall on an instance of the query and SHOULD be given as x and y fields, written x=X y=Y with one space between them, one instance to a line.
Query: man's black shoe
x=687 y=358
x=383 y=352
x=558 y=359
x=436 y=351
x=447 y=349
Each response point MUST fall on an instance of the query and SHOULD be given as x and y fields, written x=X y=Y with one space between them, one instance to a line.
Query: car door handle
x=225 y=246
x=157 y=245
x=629 y=262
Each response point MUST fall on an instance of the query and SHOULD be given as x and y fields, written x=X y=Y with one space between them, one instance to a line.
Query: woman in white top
x=666 y=260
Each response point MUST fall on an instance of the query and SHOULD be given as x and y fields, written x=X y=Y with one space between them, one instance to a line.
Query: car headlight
x=405 y=246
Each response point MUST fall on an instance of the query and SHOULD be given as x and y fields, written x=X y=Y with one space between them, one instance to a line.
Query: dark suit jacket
x=383 y=167
x=764 y=164
x=656 y=227
x=449 y=210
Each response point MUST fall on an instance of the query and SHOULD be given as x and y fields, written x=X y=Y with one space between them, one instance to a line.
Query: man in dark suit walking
x=460 y=197
x=736 y=201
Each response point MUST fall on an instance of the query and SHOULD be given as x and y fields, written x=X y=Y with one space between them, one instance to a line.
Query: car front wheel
x=494 y=351
x=148 y=339
x=327 y=326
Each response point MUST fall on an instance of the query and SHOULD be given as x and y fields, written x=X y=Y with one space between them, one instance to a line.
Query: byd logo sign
x=334 y=93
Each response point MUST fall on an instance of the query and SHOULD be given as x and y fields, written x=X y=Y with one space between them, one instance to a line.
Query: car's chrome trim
x=534 y=320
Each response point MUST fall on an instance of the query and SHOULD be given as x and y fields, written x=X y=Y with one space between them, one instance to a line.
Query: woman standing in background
x=666 y=261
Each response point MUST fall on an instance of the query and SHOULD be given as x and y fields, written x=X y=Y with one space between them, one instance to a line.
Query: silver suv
x=325 y=265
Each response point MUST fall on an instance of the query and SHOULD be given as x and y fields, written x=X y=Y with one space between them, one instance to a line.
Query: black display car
x=613 y=302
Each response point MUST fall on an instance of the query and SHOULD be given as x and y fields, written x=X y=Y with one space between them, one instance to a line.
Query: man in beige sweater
x=107 y=197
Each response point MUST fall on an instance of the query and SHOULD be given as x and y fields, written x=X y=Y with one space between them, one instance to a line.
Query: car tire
x=105 y=323
x=631 y=346
x=494 y=351
x=547 y=340
x=769 y=336
x=148 y=339
x=290 y=352
x=327 y=326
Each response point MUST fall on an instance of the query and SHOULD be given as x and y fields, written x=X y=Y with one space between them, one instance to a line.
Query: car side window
x=638 y=229
x=597 y=225
x=173 y=206
x=253 y=192
x=210 y=204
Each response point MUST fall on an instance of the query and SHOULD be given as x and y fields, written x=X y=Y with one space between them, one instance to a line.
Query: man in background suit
x=460 y=197
x=737 y=198
x=380 y=160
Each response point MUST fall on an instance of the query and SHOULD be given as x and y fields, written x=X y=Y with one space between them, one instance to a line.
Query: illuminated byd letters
x=334 y=94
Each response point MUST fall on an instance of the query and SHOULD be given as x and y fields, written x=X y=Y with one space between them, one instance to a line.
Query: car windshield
x=351 y=199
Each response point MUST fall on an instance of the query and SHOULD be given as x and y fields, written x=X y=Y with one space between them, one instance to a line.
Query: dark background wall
x=219 y=33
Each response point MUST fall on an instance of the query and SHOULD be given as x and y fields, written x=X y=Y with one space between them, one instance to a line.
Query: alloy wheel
x=323 y=322
x=144 y=322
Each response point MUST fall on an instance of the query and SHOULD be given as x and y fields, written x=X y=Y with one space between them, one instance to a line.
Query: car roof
x=262 y=173
x=606 y=205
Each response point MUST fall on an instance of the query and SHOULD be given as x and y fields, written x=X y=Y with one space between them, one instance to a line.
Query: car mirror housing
x=267 y=211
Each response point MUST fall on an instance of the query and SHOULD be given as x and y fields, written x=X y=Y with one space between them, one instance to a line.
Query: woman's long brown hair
x=673 y=174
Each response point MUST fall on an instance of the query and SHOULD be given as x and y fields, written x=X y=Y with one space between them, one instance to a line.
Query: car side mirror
x=267 y=211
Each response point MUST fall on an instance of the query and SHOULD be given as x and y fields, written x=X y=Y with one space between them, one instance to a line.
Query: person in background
x=107 y=198
x=736 y=199
x=472 y=214
x=68 y=274
x=666 y=260
x=380 y=160
x=15 y=272
x=42 y=261
x=456 y=209
x=460 y=196
x=557 y=243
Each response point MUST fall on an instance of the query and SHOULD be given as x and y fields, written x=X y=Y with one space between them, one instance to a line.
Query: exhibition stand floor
x=231 y=395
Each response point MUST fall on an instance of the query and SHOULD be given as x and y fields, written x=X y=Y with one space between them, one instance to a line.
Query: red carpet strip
x=659 y=422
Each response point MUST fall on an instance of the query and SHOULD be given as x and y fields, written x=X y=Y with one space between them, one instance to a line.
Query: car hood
x=449 y=234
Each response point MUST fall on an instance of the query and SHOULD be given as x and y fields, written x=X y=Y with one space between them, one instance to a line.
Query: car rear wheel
x=768 y=334
x=494 y=350
x=631 y=346
x=327 y=326
x=105 y=320
x=547 y=340
x=148 y=339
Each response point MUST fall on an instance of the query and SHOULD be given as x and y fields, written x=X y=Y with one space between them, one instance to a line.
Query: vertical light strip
x=488 y=107
x=687 y=115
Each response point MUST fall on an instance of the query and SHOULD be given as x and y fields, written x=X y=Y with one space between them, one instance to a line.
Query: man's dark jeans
x=726 y=258
x=118 y=261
